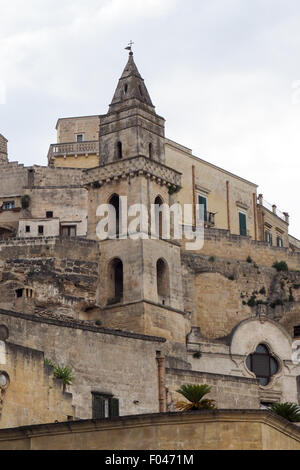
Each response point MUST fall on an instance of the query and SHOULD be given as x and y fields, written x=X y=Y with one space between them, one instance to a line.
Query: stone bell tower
x=3 y=149
x=141 y=284
x=131 y=127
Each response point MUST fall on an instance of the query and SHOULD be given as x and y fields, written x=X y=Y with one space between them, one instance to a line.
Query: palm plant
x=289 y=411
x=194 y=394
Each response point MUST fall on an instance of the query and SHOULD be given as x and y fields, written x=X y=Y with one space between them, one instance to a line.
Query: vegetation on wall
x=25 y=201
x=194 y=394
x=287 y=410
x=281 y=266
x=63 y=373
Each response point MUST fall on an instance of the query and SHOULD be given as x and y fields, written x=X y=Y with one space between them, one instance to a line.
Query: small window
x=41 y=230
x=119 y=150
x=19 y=293
x=243 y=224
x=202 y=201
x=68 y=231
x=269 y=237
x=27 y=228
x=9 y=205
x=104 y=406
x=279 y=242
x=79 y=137
x=150 y=151
x=297 y=331
x=125 y=88
x=49 y=214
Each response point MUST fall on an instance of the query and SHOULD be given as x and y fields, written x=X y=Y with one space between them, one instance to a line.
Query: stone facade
x=136 y=317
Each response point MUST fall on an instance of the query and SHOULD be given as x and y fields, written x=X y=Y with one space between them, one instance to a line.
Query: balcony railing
x=73 y=148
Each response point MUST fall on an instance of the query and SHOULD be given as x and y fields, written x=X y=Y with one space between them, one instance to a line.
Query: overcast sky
x=225 y=74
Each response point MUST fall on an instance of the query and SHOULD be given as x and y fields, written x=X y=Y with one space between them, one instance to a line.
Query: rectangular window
x=269 y=238
x=49 y=214
x=79 y=137
x=104 y=406
x=27 y=229
x=9 y=205
x=41 y=230
x=279 y=242
x=297 y=331
x=202 y=200
x=243 y=224
x=68 y=230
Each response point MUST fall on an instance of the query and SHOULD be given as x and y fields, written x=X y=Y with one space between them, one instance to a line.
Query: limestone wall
x=221 y=430
x=33 y=395
x=106 y=361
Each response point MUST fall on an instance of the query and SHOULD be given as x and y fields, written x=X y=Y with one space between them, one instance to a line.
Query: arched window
x=162 y=275
x=150 y=151
x=119 y=150
x=158 y=217
x=125 y=88
x=115 y=277
x=262 y=364
x=115 y=202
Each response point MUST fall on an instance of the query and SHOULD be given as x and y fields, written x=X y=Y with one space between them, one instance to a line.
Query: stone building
x=135 y=317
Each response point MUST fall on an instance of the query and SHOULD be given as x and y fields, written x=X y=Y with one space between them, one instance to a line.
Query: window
x=162 y=275
x=202 y=201
x=243 y=224
x=297 y=331
x=104 y=406
x=158 y=217
x=27 y=228
x=116 y=203
x=68 y=230
x=125 y=88
x=119 y=150
x=79 y=137
x=9 y=205
x=41 y=230
x=115 y=276
x=150 y=151
x=19 y=293
x=269 y=237
x=262 y=364
x=279 y=242
x=49 y=214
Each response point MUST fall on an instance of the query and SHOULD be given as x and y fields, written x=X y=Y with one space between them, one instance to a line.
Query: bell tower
x=131 y=127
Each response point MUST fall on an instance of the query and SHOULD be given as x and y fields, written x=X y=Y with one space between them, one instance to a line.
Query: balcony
x=73 y=149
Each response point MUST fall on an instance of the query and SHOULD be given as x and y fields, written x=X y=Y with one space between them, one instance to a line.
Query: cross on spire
x=129 y=47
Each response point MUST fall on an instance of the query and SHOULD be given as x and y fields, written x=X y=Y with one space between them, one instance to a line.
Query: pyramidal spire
x=131 y=86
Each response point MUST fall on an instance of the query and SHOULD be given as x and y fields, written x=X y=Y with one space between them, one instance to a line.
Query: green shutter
x=243 y=224
x=98 y=406
x=113 y=407
x=203 y=201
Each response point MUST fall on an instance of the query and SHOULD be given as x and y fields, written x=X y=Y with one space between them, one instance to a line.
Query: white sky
x=224 y=73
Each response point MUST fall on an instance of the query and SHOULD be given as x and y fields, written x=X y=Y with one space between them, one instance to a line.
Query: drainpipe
x=161 y=382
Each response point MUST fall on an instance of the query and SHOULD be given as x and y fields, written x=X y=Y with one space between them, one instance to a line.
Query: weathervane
x=129 y=47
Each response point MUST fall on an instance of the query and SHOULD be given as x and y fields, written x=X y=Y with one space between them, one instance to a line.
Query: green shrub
x=280 y=266
x=212 y=259
x=96 y=184
x=252 y=301
x=262 y=291
x=98 y=322
x=63 y=373
x=249 y=259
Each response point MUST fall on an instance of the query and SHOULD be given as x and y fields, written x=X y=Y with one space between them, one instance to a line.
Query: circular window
x=262 y=364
